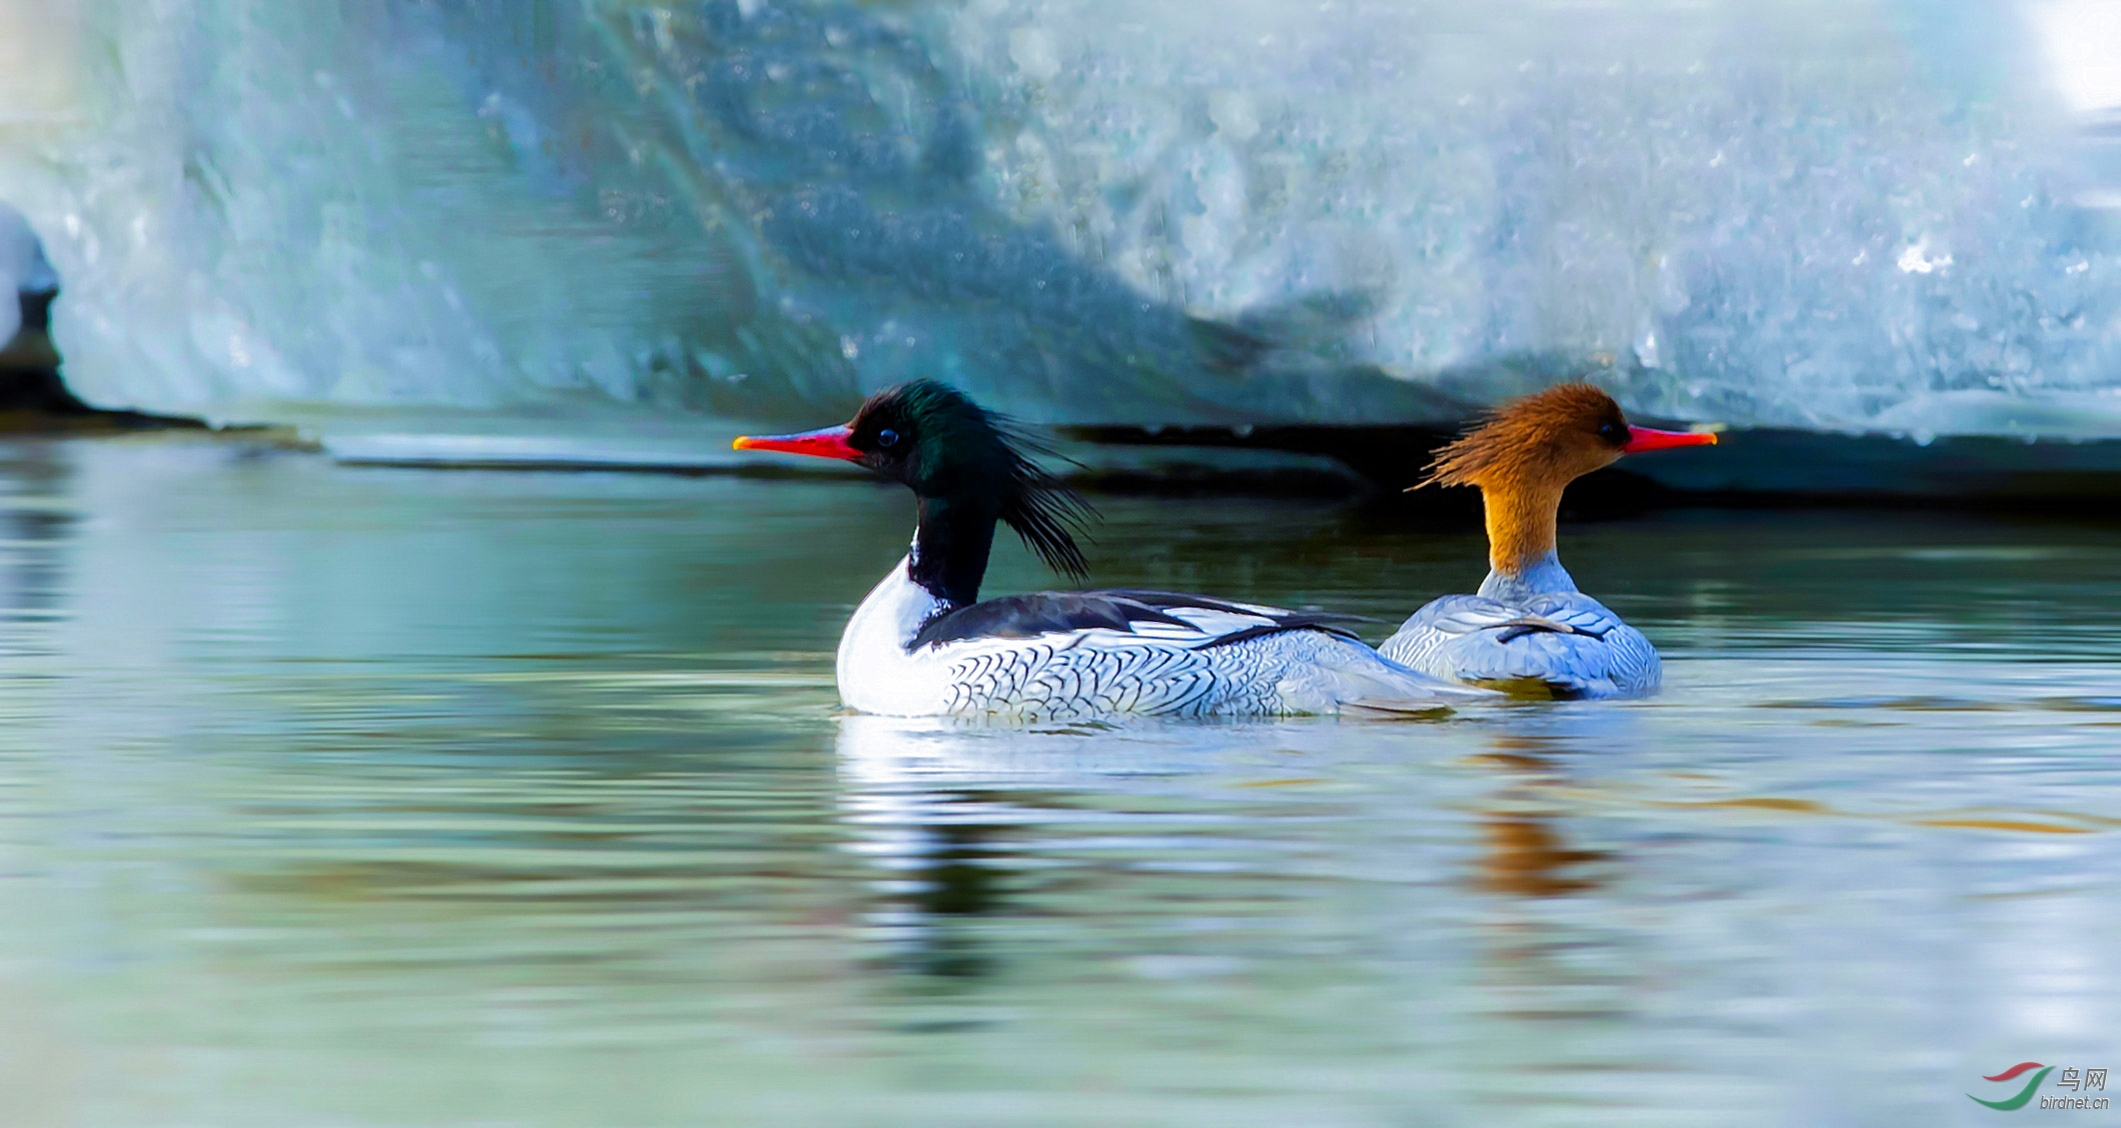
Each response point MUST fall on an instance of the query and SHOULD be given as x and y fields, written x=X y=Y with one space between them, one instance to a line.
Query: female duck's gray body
x=1529 y=630
x=1525 y=631
x=923 y=644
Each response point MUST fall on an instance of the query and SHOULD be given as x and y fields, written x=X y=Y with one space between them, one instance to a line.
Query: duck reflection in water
x=1537 y=985
x=950 y=813
x=950 y=808
x=944 y=876
x=1524 y=852
x=936 y=843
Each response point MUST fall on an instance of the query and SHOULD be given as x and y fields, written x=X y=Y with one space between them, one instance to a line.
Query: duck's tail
x=1358 y=681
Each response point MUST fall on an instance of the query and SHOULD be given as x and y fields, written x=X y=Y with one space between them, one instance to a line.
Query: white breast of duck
x=922 y=643
x=1529 y=629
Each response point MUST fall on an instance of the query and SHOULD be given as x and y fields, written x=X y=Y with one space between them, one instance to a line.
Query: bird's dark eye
x=887 y=437
x=1612 y=432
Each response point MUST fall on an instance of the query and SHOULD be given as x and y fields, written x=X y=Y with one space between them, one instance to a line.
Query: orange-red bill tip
x=828 y=442
x=1649 y=438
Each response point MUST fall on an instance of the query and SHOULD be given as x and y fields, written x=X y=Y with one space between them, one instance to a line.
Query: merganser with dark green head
x=923 y=644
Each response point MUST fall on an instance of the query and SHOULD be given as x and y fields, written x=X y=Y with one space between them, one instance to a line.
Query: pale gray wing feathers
x=1084 y=675
x=1565 y=639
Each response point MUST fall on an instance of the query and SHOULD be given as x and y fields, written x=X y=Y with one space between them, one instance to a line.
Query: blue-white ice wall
x=1812 y=212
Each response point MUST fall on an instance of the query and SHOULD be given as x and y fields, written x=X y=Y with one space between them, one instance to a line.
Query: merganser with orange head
x=922 y=644
x=1529 y=630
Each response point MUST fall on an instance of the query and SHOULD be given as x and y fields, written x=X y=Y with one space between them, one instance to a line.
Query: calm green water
x=372 y=798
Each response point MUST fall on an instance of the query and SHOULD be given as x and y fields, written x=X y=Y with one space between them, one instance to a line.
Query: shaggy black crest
x=1043 y=511
x=956 y=454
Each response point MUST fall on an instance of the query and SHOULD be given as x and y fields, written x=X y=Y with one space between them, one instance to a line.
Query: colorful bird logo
x=2024 y=1094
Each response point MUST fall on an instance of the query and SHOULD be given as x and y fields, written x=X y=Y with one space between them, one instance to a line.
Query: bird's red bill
x=828 y=442
x=1649 y=438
